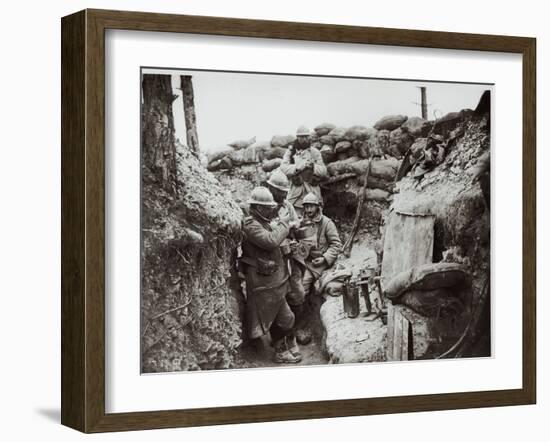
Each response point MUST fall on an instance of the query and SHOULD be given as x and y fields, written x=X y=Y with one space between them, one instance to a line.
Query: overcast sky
x=235 y=106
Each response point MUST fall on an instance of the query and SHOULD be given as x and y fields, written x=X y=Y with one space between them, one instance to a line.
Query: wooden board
x=408 y=242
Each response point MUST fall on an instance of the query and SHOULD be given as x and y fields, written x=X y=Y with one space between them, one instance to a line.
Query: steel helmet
x=262 y=196
x=311 y=198
x=279 y=180
x=302 y=130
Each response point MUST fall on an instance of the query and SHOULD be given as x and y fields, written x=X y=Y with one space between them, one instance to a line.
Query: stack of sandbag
x=269 y=153
x=390 y=138
x=382 y=170
x=242 y=144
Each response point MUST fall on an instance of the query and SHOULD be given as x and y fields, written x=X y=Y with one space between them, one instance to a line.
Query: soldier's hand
x=285 y=218
x=318 y=261
x=294 y=224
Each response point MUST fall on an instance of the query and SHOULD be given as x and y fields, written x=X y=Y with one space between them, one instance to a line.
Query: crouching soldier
x=266 y=274
x=324 y=245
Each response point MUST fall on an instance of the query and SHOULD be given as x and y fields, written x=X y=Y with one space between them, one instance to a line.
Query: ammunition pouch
x=266 y=266
x=263 y=266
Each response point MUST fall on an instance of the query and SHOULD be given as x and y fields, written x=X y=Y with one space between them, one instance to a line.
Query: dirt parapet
x=190 y=229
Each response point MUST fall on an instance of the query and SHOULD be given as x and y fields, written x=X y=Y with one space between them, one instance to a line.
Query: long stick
x=349 y=241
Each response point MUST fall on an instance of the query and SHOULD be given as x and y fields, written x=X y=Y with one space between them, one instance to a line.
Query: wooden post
x=423 y=102
x=189 y=113
x=158 y=143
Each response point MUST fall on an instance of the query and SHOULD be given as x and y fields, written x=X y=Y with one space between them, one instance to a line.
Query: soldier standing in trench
x=279 y=186
x=266 y=275
x=304 y=167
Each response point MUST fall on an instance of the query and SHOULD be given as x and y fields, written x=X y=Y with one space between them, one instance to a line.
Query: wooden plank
x=397 y=335
x=406 y=333
x=408 y=242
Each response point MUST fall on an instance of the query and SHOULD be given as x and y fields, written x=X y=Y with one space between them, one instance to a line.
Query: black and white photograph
x=298 y=220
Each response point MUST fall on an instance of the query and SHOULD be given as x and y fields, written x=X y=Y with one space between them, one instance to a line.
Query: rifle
x=292 y=150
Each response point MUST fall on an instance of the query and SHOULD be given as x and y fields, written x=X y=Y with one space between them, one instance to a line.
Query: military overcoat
x=265 y=272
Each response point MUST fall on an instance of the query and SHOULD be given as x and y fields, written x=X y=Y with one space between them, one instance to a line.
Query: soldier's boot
x=301 y=332
x=292 y=345
x=283 y=354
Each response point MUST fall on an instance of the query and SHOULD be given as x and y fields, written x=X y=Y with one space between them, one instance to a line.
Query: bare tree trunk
x=189 y=113
x=423 y=102
x=158 y=148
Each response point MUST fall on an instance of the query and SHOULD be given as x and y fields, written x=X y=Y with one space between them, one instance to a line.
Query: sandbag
x=226 y=163
x=260 y=147
x=214 y=165
x=417 y=127
x=380 y=168
x=326 y=139
x=323 y=129
x=242 y=144
x=331 y=276
x=377 y=194
x=317 y=145
x=274 y=152
x=427 y=277
x=244 y=156
x=383 y=141
x=342 y=166
x=218 y=154
x=237 y=157
x=282 y=140
x=356 y=133
x=400 y=141
x=390 y=122
x=337 y=134
x=363 y=149
x=327 y=152
x=437 y=303
x=342 y=146
x=341 y=156
x=269 y=165
x=376 y=146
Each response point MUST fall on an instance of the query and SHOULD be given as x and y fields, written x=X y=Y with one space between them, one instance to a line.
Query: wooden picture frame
x=83 y=220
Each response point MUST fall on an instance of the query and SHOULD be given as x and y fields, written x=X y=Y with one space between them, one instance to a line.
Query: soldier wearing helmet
x=266 y=274
x=279 y=186
x=324 y=247
x=304 y=167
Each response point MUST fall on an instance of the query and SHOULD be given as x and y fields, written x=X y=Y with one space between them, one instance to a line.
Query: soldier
x=279 y=186
x=266 y=274
x=304 y=167
x=324 y=245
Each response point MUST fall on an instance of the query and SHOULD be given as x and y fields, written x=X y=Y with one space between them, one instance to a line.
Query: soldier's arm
x=288 y=169
x=265 y=239
x=293 y=215
x=319 y=168
x=335 y=245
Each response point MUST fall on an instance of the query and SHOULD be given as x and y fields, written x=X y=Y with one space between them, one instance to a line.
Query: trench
x=191 y=303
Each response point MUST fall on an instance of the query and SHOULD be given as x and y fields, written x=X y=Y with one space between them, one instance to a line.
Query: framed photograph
x=267 y=220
